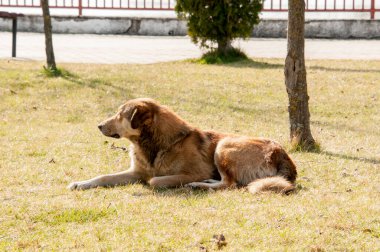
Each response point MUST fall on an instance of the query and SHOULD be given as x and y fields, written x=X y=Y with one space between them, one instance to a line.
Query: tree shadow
x=337 y=126
x=370 y=160
x=250 y=63
x=349 y=157
x=245 y=63
x=332 y=69
x=257 y=111
x=92 y=83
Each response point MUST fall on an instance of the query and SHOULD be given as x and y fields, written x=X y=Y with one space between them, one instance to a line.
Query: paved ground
x=137 y=49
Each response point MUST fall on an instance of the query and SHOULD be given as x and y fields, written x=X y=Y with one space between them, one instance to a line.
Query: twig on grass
x=114 y=147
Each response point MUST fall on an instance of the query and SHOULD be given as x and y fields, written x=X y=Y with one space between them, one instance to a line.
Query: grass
x=214 y=57
x=52 y=72
x=49 y=138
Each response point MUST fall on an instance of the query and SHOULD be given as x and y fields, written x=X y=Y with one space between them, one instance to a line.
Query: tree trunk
x=48 y=35
x=295 y=78
x=224 y=46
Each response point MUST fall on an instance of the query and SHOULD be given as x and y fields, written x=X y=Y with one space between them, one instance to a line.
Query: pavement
x=116 y=49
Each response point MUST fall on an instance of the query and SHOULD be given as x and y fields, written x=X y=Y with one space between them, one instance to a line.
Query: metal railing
x=368 y=6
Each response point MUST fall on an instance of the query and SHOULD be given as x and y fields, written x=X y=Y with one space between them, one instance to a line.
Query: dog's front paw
x=80 y=185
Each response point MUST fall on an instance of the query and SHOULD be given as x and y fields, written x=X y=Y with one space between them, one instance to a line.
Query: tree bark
x=295 y=78
x=224 y=46
x=50 y=59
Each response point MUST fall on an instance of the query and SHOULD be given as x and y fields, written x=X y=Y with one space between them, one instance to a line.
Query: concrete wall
x=339 y=29
x=342 y=29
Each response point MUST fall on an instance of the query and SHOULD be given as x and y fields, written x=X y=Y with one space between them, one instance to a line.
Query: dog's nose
x=100 y=127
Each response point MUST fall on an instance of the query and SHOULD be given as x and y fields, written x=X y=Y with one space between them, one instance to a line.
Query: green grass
x=215 y=57
x=49 y=138
x=53 y=72
x=72 y=215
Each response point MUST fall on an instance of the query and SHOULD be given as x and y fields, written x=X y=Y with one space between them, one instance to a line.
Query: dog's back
x=260 y=164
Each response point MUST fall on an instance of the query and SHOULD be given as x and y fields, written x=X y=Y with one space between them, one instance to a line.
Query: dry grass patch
x=48 y=138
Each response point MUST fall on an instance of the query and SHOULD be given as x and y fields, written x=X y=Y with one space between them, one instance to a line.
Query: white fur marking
x=133 y=114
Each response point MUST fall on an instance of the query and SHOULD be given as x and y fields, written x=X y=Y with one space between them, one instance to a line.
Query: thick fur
x=277 y=184
x=168 y=152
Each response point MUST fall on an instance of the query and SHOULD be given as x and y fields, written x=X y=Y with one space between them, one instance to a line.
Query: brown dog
x=168 y=152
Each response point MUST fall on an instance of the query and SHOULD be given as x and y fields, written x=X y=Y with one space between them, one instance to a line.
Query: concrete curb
x=335 y=29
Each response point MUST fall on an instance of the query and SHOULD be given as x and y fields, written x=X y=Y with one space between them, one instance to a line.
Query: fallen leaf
x=219 y=240
x=316 y=249
x=202 y=248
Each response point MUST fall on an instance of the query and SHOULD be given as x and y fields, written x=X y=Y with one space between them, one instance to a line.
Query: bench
x=12 y=16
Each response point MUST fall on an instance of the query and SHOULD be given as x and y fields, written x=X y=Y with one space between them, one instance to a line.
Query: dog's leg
x=213 y=185
x=171 y=181
x=210 y=181
x=120 y=178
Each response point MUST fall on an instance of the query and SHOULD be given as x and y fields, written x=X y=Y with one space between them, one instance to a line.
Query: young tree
x=219 y=21
x=48 y=36
x=295 y=78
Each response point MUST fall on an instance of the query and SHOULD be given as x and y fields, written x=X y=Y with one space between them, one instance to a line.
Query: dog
x=166 y=151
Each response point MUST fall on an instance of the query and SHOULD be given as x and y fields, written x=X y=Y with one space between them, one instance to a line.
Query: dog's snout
x=100 y=126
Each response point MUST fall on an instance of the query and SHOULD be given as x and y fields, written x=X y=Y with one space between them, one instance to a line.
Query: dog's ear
x=141 y=115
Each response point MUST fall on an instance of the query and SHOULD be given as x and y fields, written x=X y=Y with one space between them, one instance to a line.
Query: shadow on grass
x=249 y=107
x=243 y=63
x=332 y=69
x=190 y=193
x=261 y=112
x=337 y=126
x=370 y=160
x=183 y=192
x=176 y=192
x=349 y=157
x=92 y=83
x=250 y=63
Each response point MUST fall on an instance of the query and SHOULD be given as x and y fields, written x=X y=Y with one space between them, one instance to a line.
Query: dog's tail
x=285 y=179
x=276 y=184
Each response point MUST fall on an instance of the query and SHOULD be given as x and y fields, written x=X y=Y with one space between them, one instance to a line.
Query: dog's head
x=130 y=119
